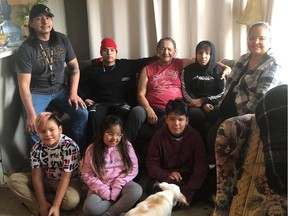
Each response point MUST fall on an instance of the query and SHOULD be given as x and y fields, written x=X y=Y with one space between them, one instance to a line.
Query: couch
x=242 y=188
x=66 y=121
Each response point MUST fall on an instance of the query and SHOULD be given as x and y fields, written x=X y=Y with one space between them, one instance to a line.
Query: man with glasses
x=40 y=66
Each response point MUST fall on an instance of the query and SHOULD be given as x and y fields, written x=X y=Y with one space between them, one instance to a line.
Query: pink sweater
x=115 y=179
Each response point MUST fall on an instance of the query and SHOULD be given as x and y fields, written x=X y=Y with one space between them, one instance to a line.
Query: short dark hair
x=179 y=106
x=160 y=42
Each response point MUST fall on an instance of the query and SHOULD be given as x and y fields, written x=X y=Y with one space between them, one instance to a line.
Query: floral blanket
x=242 y=188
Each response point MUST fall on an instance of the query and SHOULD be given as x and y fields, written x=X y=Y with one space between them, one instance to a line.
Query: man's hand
x=30 y=125
x=151 y=116
x=77 y=101
x=196 y=103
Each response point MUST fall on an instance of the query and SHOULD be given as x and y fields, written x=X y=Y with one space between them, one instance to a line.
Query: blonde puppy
x=160 y=203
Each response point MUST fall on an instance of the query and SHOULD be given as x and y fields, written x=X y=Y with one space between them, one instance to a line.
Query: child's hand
x=54 y=211
x=106 y=194
x=208 y=108
x=226 y=72
x=89 y=102
x=182 y=204
x=44 y=209
x=115 y=192
x=175 y=176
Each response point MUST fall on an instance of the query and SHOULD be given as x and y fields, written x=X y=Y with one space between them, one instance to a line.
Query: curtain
x=137 y=25
x=277 y=15
x=130 y=23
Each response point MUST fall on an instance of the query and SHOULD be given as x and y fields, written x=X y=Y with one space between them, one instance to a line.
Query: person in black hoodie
x=108 y=86
x=202 y=86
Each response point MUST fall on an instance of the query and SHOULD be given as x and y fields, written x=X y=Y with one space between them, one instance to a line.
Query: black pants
x=98 y=112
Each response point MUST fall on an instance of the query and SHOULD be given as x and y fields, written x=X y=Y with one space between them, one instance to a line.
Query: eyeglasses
x=253 y=38
x=112 y=135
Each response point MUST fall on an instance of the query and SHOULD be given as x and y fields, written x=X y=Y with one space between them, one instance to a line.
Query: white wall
x=59 y=20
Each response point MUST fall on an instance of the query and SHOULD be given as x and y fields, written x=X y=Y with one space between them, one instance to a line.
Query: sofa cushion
x=228 y=62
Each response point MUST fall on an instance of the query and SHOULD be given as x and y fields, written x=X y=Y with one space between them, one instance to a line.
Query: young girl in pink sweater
x=108 y=168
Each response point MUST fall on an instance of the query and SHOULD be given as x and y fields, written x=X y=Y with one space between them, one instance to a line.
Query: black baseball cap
x=38 y=9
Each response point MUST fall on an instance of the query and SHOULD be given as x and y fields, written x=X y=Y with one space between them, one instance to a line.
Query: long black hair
x=99 y=147
x=33 y=39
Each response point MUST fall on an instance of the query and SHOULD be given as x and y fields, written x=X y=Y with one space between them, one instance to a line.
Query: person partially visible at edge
x=54 y=182
x=252 y=76
x=108 y=168
x=159 y=82
x=271 y=117
x=202 y=86
x=108 y=86
x=40 y=62
x=176 y=154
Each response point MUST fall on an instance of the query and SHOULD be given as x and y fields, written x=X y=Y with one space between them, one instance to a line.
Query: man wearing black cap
x=40 y=63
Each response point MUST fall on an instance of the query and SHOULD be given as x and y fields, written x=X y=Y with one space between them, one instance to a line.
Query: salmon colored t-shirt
x=164 y=83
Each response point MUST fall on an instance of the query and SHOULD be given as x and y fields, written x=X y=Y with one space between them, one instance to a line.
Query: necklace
x=52 y=78
x=108 y=67
x=45 y=55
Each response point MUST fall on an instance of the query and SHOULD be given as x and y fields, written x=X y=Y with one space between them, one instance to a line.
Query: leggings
x=94 y=205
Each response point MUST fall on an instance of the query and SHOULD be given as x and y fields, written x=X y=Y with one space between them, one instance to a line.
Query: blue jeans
x=60 y=102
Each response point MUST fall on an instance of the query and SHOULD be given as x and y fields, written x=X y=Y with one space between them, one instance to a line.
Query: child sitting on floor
x=54 y=182
x=108 y=168
x=177 y=154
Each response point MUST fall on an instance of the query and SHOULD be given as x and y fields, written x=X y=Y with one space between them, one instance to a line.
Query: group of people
x=181 y=101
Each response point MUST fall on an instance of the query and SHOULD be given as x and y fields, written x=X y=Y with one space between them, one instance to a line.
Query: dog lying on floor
x=160 y=203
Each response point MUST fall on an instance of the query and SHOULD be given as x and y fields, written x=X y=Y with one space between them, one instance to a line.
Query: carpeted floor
x=11 y=206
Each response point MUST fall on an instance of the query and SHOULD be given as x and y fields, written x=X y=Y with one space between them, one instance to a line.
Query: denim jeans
x=60 y=102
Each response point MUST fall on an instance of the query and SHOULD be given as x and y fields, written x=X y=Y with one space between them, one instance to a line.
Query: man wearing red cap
x=40 y=63
x=108 y=86
x=108 y=42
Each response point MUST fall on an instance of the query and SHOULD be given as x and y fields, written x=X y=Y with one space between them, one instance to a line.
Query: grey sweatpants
x=94 y=205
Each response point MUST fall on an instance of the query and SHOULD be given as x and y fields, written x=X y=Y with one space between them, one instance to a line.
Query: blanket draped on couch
x=242 y=188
